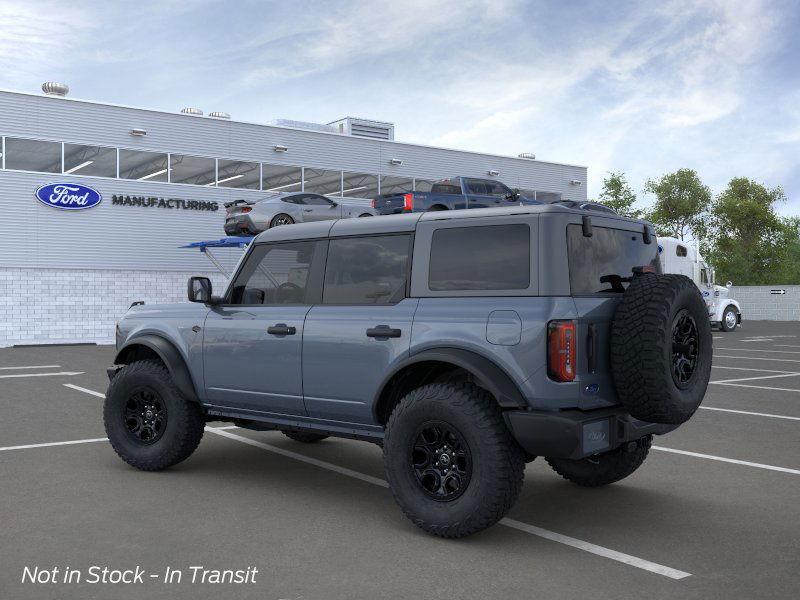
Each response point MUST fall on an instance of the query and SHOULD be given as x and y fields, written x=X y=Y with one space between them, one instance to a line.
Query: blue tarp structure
x=226 y=242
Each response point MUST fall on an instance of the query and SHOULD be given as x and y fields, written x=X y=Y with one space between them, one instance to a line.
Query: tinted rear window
x=610 y=255
x=493 y=257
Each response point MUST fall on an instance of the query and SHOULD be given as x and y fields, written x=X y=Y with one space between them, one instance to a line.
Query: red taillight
x=374 y=201
x=408 y=202
x=561 y=350
x=246 y=209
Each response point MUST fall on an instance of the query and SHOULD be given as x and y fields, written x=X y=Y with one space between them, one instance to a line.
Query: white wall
x=759 y=303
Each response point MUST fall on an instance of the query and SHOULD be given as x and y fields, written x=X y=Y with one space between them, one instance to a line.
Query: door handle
x=383 y=331
x=281 y=329
x=308 y=209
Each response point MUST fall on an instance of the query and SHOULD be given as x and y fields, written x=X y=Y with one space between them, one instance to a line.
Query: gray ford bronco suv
x=465 y=343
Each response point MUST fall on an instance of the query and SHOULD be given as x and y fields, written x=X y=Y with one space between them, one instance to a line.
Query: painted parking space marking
x=755 y=378
x=31 y=367
x=50 y=444
x=792 y=360
x=759 y=350
x=744 y=369
x=19 y=375
x=84 y=390
x=757 y=387
x=518 y=525
x=747 y=412
x=728 y=460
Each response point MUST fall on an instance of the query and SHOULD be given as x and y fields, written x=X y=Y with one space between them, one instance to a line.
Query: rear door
x=600 y=266
x=362 y=326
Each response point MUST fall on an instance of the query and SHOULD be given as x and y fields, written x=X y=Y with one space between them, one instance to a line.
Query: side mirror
x=199 y=289
x=334 y=204
x=729 y=285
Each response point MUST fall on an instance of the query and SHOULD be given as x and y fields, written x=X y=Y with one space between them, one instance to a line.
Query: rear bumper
x=577 y=434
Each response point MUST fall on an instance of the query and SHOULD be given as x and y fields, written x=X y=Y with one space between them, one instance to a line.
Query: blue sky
x=641 y=87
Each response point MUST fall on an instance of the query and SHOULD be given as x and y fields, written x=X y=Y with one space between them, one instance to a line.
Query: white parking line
x=747 y=412
x=531 y=529
x=786 y=346
x=758 y=387
x=754 y=378
x=728 y=460
x=794 y=360
x=48 y=444
x=749 y=369
x=84 y=390
x=32 y=367
x=66 y=373
x=758 y=350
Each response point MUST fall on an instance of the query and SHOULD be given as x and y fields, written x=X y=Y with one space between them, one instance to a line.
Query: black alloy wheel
x=685 y=345
x=145 y=416
x=441 y=461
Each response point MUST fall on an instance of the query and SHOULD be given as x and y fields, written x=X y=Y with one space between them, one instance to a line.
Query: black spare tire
x=661 y=348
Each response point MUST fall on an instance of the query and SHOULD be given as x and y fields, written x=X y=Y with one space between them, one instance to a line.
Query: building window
x=280 y=178
x=360 y=185
x=396 y=185
x=143 y=166
x=366 y=270
x=499 y=258
x=424 y=185
x=321 y=181
x=33 y=155
x=194 y=170
x=237 y=174
x=96 y=161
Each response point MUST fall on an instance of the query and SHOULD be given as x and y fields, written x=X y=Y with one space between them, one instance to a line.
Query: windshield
x=604 y=262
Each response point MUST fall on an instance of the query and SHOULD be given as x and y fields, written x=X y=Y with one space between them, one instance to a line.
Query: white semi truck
x=679 y=257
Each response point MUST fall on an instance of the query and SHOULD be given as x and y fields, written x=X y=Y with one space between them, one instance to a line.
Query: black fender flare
x=494 y=379
x=170 y=356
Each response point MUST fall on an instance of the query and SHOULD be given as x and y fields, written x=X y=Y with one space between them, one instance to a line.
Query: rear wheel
x=729 y=319
x=452 y=464
x=150 y=425
x=281 y=219
x=605 y=468
x=304 y=436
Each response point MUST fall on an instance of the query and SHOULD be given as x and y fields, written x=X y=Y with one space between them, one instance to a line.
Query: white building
x=67 y=275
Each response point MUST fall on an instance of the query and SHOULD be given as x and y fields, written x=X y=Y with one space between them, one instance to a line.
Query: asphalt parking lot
x=713 y=512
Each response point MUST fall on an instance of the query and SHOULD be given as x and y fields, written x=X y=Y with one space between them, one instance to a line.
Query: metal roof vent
x=51 y=88
x=527 y=155
x=192 y=111
x=219 y=115
x=377 y=130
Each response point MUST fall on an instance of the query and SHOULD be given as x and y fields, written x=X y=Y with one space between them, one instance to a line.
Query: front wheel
x=451 y=462
x=150 y=425
x=605 y=468
x=729 y=319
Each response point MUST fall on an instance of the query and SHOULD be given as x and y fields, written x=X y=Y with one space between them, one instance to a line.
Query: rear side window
x=366 y=270
x=604 y=263
x=492 y=257
x=446 y=187
x=681 y=251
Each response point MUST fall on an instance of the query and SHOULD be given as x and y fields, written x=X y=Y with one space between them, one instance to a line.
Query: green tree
x=617 y=194
x=681 y=204
x=750 y=244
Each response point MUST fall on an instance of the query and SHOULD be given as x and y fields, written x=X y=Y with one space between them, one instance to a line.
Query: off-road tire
x=604 y=468
x=497 y=461
x=304 y=436
x=723 y=325
x=642 y=348
x=185 y=420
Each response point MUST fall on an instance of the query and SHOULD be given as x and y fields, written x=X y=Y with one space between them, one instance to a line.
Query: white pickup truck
x=679 y=257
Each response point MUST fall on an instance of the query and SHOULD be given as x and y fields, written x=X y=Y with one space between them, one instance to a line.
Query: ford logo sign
x=68 y=196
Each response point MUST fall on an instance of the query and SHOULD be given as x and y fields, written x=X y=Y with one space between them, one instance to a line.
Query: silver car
x=246 y=217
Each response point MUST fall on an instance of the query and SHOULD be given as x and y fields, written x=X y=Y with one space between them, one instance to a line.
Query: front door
x=484 y=193
x=252 y=342
x=362 y=326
